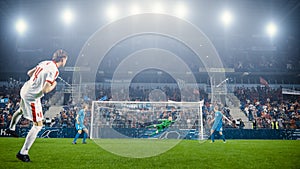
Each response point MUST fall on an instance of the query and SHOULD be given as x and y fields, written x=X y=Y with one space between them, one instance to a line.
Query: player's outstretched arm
x=227 y=119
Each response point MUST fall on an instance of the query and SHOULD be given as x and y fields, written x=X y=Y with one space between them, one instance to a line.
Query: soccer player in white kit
x=42 y=80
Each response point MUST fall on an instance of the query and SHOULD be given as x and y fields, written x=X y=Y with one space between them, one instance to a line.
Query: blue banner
x=50 y=132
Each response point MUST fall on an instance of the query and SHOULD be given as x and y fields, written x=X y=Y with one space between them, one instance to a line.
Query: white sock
x=30 y=138
x=15 y=119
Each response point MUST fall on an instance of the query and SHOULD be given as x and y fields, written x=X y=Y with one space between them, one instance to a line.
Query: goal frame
x=200 y=115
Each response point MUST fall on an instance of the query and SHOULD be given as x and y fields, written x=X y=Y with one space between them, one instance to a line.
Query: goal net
x=161 y=120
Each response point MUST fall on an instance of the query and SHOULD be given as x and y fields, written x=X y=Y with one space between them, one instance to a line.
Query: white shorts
x=31 y=107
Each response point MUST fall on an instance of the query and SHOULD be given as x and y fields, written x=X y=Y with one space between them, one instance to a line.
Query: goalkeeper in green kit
x=165 y=123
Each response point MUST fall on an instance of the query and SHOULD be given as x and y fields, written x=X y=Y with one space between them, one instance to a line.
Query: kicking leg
x=14 y=121
x=15 y=118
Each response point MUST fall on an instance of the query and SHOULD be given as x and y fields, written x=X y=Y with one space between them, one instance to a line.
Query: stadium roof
x=46 y=30
x=286 y=12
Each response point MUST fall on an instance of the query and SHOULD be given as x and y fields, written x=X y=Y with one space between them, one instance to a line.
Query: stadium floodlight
x=180 y=10
x=157 y=8
x=68 y=16
x=271 y=29
x=134 y=9
x=21 y=26
x=226 y=18
x=112 y=12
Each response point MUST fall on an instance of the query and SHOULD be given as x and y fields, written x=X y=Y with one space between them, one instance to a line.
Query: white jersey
x=31 y=106
x=46 y=71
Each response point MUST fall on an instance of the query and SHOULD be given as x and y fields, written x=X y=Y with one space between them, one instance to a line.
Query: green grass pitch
x=60 y=153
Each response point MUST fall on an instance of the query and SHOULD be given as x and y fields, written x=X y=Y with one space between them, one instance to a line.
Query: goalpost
x=161 y=120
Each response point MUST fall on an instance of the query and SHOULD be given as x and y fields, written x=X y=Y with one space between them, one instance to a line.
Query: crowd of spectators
x=265 y=108
x=269 y=108
x=139 y=93
x=10 y=102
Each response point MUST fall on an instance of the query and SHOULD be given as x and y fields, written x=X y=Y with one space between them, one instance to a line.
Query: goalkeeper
x=165 y=123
